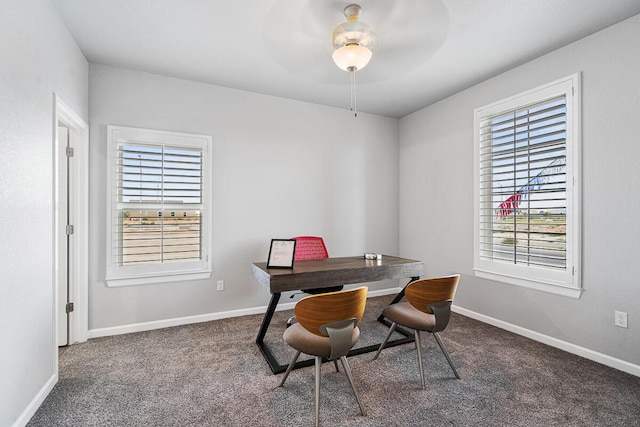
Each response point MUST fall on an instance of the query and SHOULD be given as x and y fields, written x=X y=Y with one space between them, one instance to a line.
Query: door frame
x=79 y=214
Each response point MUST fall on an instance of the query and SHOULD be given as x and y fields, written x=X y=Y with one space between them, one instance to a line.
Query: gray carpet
x=212 y=374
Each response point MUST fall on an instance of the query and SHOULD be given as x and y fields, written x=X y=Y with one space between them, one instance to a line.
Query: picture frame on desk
x=281 y=253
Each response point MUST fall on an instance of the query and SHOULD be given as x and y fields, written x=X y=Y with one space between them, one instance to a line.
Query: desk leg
x=267 y=318
x=275 y=367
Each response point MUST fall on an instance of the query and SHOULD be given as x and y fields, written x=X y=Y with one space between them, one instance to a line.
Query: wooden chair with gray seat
x=428 y=308
x=327 y=328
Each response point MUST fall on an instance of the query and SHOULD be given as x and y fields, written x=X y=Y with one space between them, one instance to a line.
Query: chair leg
x=419 y=350
x=347 y=369
x=391 y=329
x=446 y=354
x=291 y=365
x=335 y=363
x=318 y=372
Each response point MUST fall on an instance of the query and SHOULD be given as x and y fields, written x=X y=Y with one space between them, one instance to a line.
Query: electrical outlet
x=620 y=319
x=221 y=285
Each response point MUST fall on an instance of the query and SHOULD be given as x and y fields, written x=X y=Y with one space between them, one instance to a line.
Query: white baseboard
x=166 y=323
x=33 y=406
x=604 y=359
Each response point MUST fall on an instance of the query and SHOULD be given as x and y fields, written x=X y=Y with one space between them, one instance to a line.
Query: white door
x=62 y=239
x=71 y=257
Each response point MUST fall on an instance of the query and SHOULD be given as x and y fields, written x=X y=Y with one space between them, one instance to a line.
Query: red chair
x=309 y=248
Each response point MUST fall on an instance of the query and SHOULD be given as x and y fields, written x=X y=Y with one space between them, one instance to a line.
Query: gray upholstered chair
x=327 y=328
x=428 y=308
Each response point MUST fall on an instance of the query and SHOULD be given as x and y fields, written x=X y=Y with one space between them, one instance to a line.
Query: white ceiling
x=427 y=49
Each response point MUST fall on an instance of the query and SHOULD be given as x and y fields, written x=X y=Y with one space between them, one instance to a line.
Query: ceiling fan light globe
x=351 y=57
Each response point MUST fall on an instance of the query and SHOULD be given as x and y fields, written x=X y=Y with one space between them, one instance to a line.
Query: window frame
x=561 y=282
x=119 y=275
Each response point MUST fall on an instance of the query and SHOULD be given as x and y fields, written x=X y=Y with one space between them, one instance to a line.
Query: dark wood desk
x=326 y=273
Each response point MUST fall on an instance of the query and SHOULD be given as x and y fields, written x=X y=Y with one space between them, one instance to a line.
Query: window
x=159 y=213
x=527 y=198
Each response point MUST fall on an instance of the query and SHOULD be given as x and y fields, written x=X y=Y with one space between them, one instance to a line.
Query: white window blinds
x=160 y=203
x=523 y=185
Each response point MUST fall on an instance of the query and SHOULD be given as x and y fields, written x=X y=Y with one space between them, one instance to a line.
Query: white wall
x=281 y=168
x=39 y=57
x=436 y=195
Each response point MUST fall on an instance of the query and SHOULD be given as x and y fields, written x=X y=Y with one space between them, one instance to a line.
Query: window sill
x=115 y=282
x=551 y=288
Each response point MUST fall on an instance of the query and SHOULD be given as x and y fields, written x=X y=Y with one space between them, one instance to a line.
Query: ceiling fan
x=401 y=37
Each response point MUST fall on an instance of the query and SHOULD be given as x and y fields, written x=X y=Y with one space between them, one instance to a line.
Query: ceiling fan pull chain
x=354 y=100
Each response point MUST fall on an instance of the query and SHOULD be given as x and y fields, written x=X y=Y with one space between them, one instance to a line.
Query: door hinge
x=69 y=151
x=69 y=307
x=69 y=229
